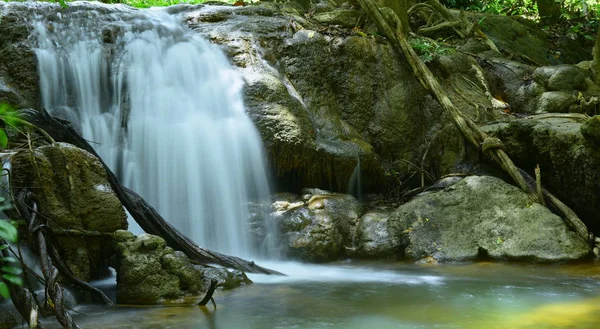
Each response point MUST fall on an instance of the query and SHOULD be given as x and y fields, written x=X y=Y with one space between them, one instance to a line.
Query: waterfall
x=164 y=108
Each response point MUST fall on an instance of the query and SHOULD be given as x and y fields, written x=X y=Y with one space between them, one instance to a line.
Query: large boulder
x=73 y=193
x=482 y=217
x=567 y=152
x=318 y=229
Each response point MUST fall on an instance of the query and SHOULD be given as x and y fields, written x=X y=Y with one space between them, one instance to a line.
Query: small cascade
x=354 y=183
x=165 y=110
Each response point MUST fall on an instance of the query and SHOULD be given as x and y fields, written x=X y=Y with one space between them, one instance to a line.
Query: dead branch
x=209 y=293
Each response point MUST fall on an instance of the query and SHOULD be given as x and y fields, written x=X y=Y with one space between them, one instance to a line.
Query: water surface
x=381 y=296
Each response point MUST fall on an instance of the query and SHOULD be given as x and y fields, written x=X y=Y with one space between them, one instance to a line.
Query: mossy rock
x=149 y=272
x=591 y=129
x=72 y=189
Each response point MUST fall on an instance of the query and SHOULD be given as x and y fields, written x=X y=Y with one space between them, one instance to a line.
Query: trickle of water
x=165 y=108
x=354 y=183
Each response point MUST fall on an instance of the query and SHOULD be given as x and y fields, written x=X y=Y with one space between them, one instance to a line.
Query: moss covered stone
x=591 y=129
x=73 y=192
x=149 y=272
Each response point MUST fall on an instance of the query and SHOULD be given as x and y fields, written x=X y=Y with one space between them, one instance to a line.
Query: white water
x=166 y=111
x=300 y=272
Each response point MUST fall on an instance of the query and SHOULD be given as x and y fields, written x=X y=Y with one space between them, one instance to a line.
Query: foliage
x=569 y=8
x=8 y=232
x=428 y=49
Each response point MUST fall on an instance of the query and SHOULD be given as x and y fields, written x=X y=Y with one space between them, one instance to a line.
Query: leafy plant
x=428 y=49
x=8 y=232
x=9 y=272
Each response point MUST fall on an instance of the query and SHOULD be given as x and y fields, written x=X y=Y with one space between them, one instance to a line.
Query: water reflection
x=381 y=296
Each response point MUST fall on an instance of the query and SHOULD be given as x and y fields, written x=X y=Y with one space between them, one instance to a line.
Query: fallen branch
x=143 y=213
x=469 y=129
x=209 y=294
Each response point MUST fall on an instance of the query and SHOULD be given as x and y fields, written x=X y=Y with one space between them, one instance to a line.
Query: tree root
x=23 y=300
x=143 y=213
x=469 y=129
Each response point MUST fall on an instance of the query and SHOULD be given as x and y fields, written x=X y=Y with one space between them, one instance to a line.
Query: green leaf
x=11 y=270
x=4 y=290
x=3 y=139
x=13 y=279
x=8 y=232
x=4 y=108
x=11 y=118
x=8 y=259
x=2 y=247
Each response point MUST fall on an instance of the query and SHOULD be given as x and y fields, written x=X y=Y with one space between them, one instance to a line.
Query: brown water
x=381 y=296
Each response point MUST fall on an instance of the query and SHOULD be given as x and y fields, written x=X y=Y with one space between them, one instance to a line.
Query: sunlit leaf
x=3 y=139
x=11 y=118
x=4 y=290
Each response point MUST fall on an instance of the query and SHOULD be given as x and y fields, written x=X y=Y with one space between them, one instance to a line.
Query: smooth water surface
x=378 y=296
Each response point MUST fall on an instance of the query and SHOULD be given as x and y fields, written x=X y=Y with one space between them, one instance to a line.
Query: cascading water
x=166 y=111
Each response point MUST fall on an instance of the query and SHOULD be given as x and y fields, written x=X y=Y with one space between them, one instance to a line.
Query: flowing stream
x=387 y=296
x=164 y=109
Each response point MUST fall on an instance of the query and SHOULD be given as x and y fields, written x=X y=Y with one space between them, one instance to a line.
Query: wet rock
x=228 y=279
x=483 y=217
x=320 y=230
x=73 y=190
x=149 y=272
x=375 y=237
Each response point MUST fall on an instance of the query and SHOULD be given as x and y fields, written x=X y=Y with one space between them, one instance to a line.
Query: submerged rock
x=73 y=191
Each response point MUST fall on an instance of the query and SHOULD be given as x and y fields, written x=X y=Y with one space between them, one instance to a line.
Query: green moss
x=591 y=129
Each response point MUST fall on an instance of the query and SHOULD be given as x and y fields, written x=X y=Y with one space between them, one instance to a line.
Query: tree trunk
x=596 y=62
x=549 y=11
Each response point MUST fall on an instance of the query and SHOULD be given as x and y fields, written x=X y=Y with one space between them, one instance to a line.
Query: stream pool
x=380 y=296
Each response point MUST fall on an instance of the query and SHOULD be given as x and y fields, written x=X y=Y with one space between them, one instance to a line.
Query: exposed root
x=469 y=129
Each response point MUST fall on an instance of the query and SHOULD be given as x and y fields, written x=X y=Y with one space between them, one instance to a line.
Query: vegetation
x=8 y=232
